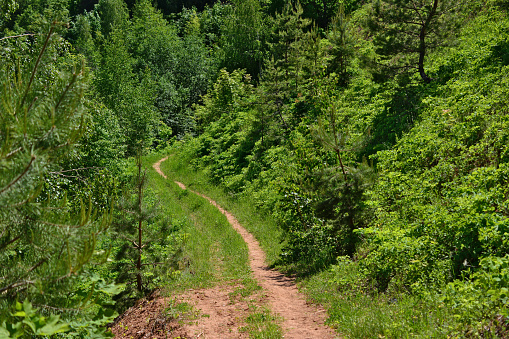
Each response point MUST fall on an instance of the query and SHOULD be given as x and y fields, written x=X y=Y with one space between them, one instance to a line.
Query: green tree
x=288 y=74
x=342 y=50
x=44 y=247
x=128 y=93
x=406 y=31
x=145 y=247
x=290 y=32
x=113 y=14
x=244 y=37
x=27 y=17
x=340 y=188
x=182 y=67
x=84 y=35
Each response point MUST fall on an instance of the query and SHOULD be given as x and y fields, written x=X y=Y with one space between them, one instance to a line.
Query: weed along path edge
x=301 y=320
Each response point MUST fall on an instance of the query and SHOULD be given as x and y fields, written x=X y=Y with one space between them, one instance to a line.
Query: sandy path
x=301 y=320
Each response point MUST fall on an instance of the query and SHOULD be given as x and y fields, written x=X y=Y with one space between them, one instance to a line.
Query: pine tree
x=405 y=31
x=44 y=247
x=291 y=31
x=284 y=77
x=341 y=187
x=342 y=46
x=141 y=235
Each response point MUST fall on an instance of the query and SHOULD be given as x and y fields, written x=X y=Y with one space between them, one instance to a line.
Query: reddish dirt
x=301 y=320
x=147 y=320
x=221 y=315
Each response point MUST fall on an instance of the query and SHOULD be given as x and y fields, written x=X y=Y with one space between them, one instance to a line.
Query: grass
x=213 y=250
x=180 y=310
x=246 y=290
x=360 y=312
x=262 y=325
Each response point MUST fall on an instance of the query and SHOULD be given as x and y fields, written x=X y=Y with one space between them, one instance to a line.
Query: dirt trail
x=301 y=320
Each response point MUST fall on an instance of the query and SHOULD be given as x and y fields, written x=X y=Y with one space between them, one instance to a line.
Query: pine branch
x=20 y=176
x=10 y=242
x=16 y=284
x=124 y=237
x=37 y=65
x=21 y=203
x=30 y=106
x=67 y=88
x=38 y=264
x=18 y=36
x=10 y=154
x=64 y=276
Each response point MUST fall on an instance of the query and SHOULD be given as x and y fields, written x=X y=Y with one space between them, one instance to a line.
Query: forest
x=370 y=138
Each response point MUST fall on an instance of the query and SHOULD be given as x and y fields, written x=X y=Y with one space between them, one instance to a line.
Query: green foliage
x=31 y=323
x=212 y=20
x=93 y=298
x=254 y=142
x=45 y=246
x=228 y=127
x=480 y=303
x=147 y=73
x=128 y=93
x=21 y=16
x=438 y=204
x=358 y=311
x=320 y=11
x=244 y=37
x=341 y=46
x=287 y=125
x=84 y=32
x=7 y=9
x=114 y=15
x=439 y=201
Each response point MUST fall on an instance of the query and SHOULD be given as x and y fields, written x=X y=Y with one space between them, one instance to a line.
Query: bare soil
x=147 y=319
x=224 y=316
x=221 y=315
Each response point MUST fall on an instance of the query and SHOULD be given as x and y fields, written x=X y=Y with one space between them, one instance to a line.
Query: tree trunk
x=141 y=179
x=422 y=41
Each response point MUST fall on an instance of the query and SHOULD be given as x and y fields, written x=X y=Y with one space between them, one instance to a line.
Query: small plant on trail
x=262 y=324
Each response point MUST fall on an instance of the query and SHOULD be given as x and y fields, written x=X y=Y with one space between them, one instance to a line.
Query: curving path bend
x=301 y=320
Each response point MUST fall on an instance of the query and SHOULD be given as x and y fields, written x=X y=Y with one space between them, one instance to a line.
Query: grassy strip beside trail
x=263 y=227
x=361 y=312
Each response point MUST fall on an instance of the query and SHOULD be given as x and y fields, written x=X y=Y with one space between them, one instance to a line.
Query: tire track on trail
x=301 y=320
